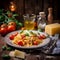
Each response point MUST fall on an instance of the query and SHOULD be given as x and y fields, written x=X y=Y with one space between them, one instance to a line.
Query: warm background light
x=12 y=6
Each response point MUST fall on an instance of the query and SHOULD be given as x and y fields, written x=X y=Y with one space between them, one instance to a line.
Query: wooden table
x=29 y=56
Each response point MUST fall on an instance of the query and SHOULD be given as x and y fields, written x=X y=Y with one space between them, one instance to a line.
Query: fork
x=51 y=47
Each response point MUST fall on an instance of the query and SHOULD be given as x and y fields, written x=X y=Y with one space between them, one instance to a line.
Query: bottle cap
x=42 y=13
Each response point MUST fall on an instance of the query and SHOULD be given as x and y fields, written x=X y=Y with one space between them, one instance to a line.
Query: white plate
x=9 y=42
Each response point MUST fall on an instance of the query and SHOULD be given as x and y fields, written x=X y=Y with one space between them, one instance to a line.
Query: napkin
x=56 y=51
x=58 y=44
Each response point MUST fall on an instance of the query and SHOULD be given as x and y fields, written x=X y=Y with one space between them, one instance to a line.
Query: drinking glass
x=29 y=21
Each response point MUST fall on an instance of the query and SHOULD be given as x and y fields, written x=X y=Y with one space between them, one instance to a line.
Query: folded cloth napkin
x=58 y=44
x=56 y=51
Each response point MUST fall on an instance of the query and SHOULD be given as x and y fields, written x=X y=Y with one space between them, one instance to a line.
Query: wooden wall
x=29 y=6
x=33 y=6
x=36 y=6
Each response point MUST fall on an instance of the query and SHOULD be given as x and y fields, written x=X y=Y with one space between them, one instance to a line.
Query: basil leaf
x=27 y=34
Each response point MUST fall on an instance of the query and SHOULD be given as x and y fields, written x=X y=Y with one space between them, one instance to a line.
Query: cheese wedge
x=18 y=54
x=11 y=54
x=52 y=29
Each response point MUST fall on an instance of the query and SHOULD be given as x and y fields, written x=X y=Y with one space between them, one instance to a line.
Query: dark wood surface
x=29 y=56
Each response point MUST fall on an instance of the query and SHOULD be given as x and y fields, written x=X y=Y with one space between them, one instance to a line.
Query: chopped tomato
x=23 y=36
x=20 y=43
x=42 y=37
x=11 y=37
x=35 y=43
x=15 y=34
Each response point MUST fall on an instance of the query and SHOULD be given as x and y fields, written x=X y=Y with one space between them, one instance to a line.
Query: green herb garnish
x=27 y=34
x=4 y=48
x=9 y=48
x=21 y=31
x=5 y=56
x=33 y=33
x=40 y=30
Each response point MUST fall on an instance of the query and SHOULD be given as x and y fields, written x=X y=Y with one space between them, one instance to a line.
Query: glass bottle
x=41 y=22
x=50 y=16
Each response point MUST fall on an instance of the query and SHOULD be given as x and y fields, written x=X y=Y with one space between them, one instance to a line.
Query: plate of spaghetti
x=27 y=39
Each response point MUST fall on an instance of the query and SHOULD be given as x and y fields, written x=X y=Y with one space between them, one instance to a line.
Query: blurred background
x=32 y=6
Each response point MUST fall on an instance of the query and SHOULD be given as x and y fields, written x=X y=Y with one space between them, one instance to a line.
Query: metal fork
x=51 y=47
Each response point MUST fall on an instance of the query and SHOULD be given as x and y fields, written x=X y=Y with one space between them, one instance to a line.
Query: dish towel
x=56 y=50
